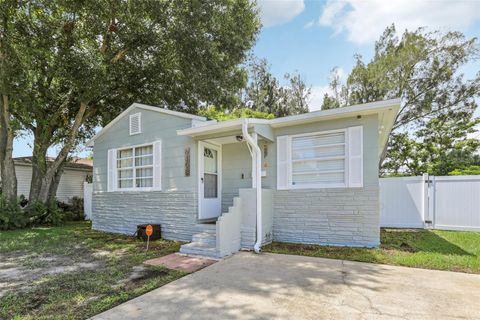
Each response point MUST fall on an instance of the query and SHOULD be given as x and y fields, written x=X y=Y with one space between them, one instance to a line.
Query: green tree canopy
x=471 y=170
x=439 y=147
x=82 y=62
x=220 y=114
x=264 y=92
x=424 y=69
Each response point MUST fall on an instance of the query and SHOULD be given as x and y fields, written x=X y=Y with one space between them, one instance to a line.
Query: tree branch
x=70 y=140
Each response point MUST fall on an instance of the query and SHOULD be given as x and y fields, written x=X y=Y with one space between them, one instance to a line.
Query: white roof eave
x=388 y=110
x=321 y=115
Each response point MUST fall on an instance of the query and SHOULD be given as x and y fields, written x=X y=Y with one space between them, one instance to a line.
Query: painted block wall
x=329 y=216
x=236 y=161
x=248 y=227
x=175 y=206
x=120 y=213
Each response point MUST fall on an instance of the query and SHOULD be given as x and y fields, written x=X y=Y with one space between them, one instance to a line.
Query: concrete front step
x=205 y=238
x=206 y=227
x=204 y=242
x=198 y=249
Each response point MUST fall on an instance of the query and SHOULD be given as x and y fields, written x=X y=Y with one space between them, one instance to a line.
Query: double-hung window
x=135 y=167
x=329 y=159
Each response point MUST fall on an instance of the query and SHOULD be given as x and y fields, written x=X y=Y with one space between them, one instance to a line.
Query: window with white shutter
x=283 y=163
x=355 y=157
x=135 y=123
x=112 y=168
x=330 y=159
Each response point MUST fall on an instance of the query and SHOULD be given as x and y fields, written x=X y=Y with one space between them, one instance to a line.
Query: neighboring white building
x=71 y=183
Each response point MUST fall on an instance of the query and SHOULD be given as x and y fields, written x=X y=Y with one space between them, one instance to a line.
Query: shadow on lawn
x=419 y=240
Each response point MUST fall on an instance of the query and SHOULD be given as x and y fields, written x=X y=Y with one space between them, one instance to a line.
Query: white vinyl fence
x=440 y=202
x=87 y=200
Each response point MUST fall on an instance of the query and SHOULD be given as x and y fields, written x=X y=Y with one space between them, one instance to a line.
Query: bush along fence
x=439 y=202
x=21 y=214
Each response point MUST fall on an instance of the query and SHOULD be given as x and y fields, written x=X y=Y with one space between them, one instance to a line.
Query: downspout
x=258 y=177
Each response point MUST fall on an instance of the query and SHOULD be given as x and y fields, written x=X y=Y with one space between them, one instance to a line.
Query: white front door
x=210 y=184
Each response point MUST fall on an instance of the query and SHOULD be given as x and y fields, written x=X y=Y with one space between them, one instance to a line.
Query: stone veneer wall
x=121 y=212
x=345 y=217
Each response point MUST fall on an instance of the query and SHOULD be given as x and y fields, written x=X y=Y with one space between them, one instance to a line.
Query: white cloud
x=275 y=12
x=316 y=97
x=309 y=24
x=364 y=21
x=317 y=92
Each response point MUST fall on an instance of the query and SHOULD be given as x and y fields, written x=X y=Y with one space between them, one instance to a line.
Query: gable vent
x=135 y=123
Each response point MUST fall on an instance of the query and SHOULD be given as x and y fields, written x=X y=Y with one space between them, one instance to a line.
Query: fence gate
x=441 y=202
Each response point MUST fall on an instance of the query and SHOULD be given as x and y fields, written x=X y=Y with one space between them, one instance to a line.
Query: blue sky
x=312 y=37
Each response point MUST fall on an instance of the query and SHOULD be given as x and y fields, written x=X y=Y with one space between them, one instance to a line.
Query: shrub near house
x=21 y=214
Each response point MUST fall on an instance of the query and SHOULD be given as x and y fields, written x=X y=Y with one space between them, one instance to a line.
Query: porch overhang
x=386 y=111
x=230 y=128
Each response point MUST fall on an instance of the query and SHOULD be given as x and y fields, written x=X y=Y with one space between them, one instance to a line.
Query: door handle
x=201 y=179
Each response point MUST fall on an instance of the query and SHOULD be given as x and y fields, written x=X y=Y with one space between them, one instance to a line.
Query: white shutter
x=355 y=157
x=157 y=165
x=112 y=170
x=283 y=162
x=135 y=123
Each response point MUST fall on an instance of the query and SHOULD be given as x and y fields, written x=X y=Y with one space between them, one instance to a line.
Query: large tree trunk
x=55 y=182
x=39 y=163
x=7 y=166
x=46 y=181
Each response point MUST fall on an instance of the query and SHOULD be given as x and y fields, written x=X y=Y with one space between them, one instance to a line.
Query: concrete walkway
x=270 y=286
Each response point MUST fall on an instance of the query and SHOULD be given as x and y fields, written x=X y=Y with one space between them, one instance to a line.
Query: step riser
x=210 y=242
x=205 y=237
x=209 y=233
x=206 y=228
x=204 y=242
x=199 y=252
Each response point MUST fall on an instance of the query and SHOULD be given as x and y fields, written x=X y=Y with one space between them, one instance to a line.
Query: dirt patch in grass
x=73 y=272
x=20 y=271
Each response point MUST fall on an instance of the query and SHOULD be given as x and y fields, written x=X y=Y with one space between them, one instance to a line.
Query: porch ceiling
x=223 y=140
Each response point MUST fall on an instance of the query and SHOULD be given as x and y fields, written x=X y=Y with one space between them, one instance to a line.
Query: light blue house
x=309 y=178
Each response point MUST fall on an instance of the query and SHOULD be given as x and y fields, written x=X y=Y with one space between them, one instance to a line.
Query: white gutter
x=256 y=153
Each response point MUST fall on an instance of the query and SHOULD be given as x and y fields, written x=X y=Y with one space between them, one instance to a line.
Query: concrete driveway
x=271 y=286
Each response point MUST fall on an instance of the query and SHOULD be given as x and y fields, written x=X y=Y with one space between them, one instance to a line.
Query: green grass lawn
x=429 y=249
x=73 y=272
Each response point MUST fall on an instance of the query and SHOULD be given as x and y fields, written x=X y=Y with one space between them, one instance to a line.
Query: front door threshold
x=209 y=220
